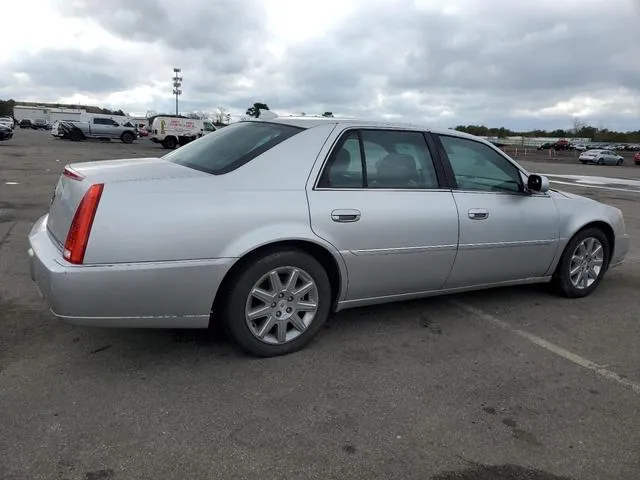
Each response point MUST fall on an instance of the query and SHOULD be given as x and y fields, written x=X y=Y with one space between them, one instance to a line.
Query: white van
x=174 y=131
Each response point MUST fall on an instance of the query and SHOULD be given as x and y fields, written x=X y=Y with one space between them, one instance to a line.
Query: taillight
x=75 y=245
x=71 y=173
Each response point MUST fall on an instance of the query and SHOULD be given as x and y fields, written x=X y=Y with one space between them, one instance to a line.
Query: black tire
x=76 y=135
x=127 y=137
x=600 y=161
x=170 y=143
x=561 y=281
x=619 y=163
x=233 y=311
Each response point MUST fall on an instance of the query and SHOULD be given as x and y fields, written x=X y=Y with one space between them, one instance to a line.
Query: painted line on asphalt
x=551 y=347
x=595 y=186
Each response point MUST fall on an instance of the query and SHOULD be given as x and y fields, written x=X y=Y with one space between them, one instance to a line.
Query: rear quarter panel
x=211 y=216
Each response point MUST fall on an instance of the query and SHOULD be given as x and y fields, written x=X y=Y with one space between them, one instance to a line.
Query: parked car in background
x=39 y=124
x=636 y=158
x=6 y=133
x=579 y=147
x=25 y=123
x=559 y=145
x=97 y=127
x=7 y=122
x=269 y=225
x=601 y=157
x=172 y=132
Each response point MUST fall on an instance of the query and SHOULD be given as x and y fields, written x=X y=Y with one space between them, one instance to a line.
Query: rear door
x=506 y=234
x=381 y=200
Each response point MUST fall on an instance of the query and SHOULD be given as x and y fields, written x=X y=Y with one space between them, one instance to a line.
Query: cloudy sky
x=514 y=63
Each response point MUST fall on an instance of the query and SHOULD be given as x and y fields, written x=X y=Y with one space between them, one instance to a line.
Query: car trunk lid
x=77 y=179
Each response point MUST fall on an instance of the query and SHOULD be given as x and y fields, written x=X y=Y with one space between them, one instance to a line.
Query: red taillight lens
x=78 y=237
x=71 y=173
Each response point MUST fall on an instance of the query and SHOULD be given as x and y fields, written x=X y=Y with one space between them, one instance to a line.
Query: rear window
x=228 y=148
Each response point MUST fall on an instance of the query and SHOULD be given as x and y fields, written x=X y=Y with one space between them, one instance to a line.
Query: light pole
x=177 y=82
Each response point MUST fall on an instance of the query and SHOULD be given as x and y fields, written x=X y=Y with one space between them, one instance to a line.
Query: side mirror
x=537 y=183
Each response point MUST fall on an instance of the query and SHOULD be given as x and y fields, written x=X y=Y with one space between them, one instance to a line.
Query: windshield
x=231 y=147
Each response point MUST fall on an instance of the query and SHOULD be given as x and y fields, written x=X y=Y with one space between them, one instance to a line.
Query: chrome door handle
x=478 y=214
x=345 y=216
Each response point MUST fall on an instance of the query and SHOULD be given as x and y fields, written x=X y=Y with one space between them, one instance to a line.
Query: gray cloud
x=70 y=71
x=492 y=62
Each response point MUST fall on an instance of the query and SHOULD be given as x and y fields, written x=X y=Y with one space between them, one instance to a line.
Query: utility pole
x=177 y=83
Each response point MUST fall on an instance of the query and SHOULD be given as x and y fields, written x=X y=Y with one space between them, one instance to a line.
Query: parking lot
x=508 y=383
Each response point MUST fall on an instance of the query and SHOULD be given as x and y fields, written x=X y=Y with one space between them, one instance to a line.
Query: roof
x=305 y=121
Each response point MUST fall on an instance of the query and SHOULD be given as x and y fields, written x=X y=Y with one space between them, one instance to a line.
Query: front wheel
x=583 y=264
x=127 y=137
x=278 y=303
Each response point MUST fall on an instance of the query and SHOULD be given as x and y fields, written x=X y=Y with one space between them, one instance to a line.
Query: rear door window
x=388 y=159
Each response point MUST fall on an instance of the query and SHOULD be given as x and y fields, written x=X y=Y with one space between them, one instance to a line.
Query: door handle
x=345 y=216
x=478 y=214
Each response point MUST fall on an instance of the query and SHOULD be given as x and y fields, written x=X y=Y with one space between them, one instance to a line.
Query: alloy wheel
x=281 y=305
x=586 y=263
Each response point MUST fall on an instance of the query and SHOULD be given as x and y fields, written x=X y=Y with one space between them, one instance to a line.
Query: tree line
x=579 y=130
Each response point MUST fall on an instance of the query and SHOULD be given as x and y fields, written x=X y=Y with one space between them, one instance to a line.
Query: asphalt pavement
x=511 y=383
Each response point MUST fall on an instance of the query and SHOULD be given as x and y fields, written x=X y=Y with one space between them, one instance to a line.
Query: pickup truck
x=103 y=128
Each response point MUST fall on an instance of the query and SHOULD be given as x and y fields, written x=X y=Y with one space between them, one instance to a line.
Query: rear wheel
x=619 y=162
x=600 y=161
x=76 y=135
x=278 y=303
x=583 y=264
x=170 y=143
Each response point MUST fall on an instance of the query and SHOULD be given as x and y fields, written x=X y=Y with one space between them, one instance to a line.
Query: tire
x=562 y=281
x=257 y=273
x=127 y=137
x=620 y=162
x=76 y=135
x=600 y=161
x=170 y=143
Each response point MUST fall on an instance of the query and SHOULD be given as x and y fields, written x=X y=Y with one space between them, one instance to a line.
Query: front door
x=506 y=233
x=379 y=201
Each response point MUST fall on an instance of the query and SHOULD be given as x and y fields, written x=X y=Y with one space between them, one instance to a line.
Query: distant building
x=51 y=114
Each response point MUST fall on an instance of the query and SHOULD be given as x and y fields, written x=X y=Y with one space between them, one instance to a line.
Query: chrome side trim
x=520 y=243
x=431 y=248
x=370 y=189
x=399 y=250
x=361 y=302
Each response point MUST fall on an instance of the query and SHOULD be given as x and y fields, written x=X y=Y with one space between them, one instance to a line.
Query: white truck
x=171 y=132
x=97 y=127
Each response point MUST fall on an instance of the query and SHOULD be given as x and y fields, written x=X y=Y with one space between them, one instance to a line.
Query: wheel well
x=321 y=254
x=607 y=230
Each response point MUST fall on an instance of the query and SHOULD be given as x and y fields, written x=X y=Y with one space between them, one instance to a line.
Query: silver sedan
x=601 y=157
x=270 y=225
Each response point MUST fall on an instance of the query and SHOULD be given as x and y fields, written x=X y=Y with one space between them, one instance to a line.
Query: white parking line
x=566 y=354
x=595 y=186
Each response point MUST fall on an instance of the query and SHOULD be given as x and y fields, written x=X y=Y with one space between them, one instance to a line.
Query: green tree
x=327 y=114
x=254 y=110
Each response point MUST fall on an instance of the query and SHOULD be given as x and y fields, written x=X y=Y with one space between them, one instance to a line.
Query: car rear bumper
x=176 y=294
